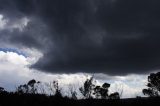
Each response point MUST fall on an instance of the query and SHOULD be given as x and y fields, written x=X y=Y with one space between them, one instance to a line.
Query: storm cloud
x=96 y=36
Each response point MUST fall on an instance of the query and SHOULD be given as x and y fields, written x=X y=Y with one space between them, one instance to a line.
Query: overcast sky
x=117 y=40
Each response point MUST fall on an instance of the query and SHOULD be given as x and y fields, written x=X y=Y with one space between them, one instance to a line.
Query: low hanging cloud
x=19 y=73
x=115 y=37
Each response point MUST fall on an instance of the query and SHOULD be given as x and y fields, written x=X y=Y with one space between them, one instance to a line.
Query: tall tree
x=153 y=85
x=101 y=91
x=87 y=88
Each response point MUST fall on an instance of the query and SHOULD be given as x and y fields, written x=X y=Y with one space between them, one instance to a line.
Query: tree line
x=89 y=90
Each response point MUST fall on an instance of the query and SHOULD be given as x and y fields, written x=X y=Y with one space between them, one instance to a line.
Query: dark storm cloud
x=108 y=36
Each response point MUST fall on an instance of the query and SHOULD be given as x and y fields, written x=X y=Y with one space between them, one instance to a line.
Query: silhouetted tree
x=74 y=95
x=97 y=93
x=148 y=92
x=31 y=84
x=101 y=91
x=104 y=90
x=114 y=95
x=73 y=92
x=58 y=91
x=153 y=85
x=87 y=88
x=27 y=88
x=1 y=89
x=22 y=89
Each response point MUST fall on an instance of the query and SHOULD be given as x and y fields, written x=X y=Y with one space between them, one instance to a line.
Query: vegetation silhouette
x=94 y=95
x=153 y=85
x=27 y=88
x=87 y=88
x=90 y=90
x=58 y=91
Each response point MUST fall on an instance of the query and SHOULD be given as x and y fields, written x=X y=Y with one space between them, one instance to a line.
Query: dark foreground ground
x=37 y=100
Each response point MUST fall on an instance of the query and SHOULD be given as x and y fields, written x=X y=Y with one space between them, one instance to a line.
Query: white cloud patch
x=33 y=55
x=14 y=71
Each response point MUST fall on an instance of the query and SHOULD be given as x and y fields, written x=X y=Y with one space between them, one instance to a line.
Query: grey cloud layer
x=108 y=36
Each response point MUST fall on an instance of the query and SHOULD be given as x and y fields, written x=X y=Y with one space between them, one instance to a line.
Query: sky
x=116 y=40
